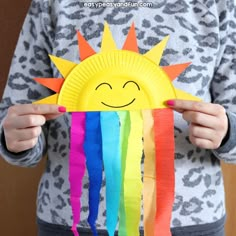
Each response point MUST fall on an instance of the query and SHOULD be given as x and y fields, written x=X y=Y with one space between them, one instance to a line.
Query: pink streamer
x=76 y=165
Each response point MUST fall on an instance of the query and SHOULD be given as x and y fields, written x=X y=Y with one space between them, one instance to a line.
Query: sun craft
x=117 y=102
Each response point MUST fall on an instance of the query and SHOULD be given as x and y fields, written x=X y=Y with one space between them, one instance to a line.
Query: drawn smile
x=118 y=106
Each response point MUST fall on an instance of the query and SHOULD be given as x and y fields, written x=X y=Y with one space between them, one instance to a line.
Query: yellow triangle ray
x=156 y=52
x=108 y=42
x=48 y=100
x=64 y=66
x=180 y=94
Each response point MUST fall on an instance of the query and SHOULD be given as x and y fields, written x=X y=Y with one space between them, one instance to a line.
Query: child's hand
x=22 y=125
x=208 y=123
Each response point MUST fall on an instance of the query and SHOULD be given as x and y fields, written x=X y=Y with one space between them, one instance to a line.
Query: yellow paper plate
x=116 y=80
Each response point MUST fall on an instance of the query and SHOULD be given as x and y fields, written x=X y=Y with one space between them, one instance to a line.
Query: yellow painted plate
x=116 y=80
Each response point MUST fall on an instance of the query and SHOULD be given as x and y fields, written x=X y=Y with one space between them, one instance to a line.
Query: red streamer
x=165 y=172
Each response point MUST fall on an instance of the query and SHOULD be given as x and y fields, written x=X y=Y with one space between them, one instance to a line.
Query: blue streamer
x=93 y=151
x=112 y=164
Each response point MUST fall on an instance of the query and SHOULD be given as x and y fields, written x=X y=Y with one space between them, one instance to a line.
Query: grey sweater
x=203 y=32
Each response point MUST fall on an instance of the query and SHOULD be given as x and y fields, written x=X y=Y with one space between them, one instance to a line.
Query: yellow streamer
x=132 y=178
x=124 y=136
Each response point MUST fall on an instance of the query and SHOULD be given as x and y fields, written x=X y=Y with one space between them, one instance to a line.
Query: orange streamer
x=165 y=178
x=149 y=177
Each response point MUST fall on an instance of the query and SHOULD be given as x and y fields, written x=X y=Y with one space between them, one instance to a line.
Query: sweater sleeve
x=223 y=85
x=30 y=60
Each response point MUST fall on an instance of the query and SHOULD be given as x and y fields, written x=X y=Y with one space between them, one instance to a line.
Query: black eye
x=131 y=81
x=103 y=84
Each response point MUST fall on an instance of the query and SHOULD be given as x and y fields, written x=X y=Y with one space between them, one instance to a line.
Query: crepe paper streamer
x=149 y=176
x=124 y=136
x=76 y=165
x=165 y=171
x=132 y=179
x=94 y=163
x=112 y=165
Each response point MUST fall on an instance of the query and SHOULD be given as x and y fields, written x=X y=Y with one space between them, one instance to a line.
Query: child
x=200 y=32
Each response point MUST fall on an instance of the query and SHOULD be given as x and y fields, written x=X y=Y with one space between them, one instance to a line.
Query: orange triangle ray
x=51 y=83
x=175 y=70
x=131 y=40
x=85 y=49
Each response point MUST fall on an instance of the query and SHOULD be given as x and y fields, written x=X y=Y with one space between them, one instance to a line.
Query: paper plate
x=116 y=80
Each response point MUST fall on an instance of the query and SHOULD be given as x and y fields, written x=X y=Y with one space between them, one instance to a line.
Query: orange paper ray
x=175 y=70
x=131 y=40
x=84 y=48
x=51 y=83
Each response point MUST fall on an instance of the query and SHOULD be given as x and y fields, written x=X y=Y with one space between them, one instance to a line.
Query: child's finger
x=40 y=109
x=187 y=105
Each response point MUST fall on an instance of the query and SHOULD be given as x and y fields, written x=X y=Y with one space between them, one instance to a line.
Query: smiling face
x=108 y=83
x=125 y=90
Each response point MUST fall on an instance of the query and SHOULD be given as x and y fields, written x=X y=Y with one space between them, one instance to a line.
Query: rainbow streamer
x=124 y=117
x=93 y=151
x=76 y=165
x=149 y=176
x=112 y=165
x=116 y=140
x=165 y=179
x=132 y=178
